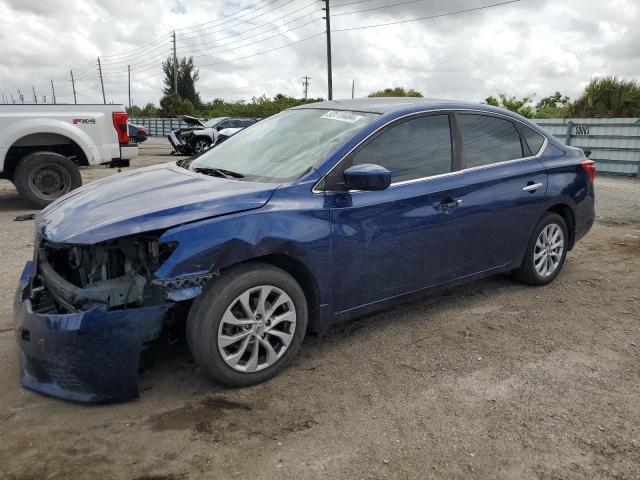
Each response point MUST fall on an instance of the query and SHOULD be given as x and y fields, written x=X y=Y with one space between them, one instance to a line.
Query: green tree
x=188 y=75
x=134 y=111
x=553 y=106
x=522 y=106
x=557 y=100
x=396 y=92
x=172 y=105
x=149 y=110
x=261 y=107
x=610 y=97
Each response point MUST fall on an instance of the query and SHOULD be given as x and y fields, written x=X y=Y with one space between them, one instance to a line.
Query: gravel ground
x=491 y=380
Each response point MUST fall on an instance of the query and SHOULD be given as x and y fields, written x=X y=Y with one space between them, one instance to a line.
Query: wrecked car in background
x=320 y=213
x=199 y=136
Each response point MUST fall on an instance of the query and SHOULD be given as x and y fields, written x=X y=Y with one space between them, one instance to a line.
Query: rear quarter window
x=533 y=139
x=487 y=140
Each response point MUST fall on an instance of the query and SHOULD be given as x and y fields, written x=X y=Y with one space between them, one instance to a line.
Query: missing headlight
x=116 y=273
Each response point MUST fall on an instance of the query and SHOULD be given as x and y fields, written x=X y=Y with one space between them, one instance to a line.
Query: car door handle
x=448 y=205
x=533 y=187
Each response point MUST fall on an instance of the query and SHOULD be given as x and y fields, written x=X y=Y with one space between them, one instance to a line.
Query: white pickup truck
x=42 y=146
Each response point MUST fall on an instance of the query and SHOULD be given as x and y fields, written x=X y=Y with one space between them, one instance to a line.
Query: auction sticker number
x=342 y=116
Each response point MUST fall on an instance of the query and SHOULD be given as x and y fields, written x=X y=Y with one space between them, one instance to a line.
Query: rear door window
x=416 y=148
x=487 y=140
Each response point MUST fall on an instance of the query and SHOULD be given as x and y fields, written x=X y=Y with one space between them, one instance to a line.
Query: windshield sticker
x=342 y=116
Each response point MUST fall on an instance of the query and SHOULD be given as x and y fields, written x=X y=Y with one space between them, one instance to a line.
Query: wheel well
x=567 y=214
x=302 y=275
x=42 y=142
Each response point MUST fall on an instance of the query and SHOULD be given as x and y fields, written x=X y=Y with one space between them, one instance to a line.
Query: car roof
x=386 y=104
x=399 y=106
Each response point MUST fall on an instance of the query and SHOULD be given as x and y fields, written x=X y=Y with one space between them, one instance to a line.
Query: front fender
x=294 y=223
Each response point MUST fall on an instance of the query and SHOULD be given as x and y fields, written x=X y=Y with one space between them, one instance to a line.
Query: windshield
x=283 y=146
x=213 y=122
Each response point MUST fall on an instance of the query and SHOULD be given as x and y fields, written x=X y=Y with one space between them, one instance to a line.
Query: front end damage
x=84 y=314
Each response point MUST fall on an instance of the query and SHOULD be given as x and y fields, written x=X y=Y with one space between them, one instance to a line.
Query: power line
x=257 y=41
x=377 y=8
x=240 y=16
x=428 y=17
x=349 y=3
x=151 y=51
x=221 y=18
x=255 y=28
x=137 y=49
x=264 y=51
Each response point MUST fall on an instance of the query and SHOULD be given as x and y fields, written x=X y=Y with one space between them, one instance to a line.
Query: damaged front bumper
x=84 y=356
x=178 y=145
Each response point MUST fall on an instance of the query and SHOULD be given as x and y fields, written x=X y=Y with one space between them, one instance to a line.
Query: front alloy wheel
x=248 y=324
x=257 y=328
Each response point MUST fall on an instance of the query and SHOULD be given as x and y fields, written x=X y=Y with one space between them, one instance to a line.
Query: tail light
x=120 y=124
x=589 y=166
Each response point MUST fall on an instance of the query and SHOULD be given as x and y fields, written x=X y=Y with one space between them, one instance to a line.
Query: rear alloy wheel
x=42 y=177
x=200 y=146
x=546 y=251
x=248 y=325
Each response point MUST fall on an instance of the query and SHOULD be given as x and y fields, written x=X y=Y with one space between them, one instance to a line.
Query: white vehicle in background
x=198 y=136
x=42 y=146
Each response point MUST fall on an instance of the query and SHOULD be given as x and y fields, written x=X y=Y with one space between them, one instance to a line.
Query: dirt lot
x=491 y=380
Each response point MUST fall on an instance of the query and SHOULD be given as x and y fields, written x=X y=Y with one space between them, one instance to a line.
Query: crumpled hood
x=191 y=121
x=153 y=198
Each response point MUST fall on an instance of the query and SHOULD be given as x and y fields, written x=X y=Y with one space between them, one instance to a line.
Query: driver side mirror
x=367 y=177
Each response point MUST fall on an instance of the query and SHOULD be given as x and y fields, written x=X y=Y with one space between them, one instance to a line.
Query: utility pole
x=73 y=86
x=35 y=97
x=53 y=92
x=129 y=75
x=305 y=84
x=104 y=98
x=329 y=73
x=353 y=88
x=21 y=96
x=175 y=65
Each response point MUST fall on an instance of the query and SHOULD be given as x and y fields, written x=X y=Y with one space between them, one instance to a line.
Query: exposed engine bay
x=116 y=274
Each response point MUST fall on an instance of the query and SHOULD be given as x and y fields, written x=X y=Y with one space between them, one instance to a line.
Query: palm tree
x=611 y=97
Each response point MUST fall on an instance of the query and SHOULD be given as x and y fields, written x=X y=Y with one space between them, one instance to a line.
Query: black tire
x=42 y=177
x=205 y=316
x=199 y=145
x=527 y=272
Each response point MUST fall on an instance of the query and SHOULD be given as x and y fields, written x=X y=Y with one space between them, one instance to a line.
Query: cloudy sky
x=525 y=47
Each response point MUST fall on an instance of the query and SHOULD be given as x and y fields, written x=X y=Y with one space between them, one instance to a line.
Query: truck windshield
x=282 y=147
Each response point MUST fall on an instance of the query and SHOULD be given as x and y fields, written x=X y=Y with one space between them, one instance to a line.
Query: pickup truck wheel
x=248 y=325
x=200 y=145
x=42 y=177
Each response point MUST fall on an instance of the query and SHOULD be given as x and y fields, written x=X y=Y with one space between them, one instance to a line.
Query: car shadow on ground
x=168 y=360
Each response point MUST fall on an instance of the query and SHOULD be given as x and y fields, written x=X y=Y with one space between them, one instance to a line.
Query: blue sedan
x=318 y=214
